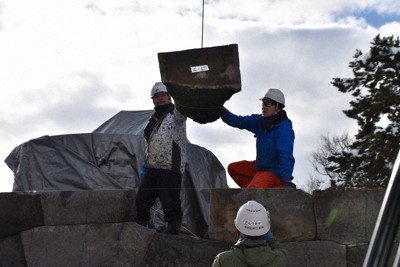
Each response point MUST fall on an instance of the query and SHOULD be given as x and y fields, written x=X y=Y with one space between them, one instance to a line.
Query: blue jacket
x=274 y=147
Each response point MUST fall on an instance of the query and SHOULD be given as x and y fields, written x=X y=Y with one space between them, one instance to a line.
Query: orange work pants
x=244 y=173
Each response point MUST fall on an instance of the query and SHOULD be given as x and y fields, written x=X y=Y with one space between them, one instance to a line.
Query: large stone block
x=347 y=216
x=11 y=252
x=88 y=206
x=356 y=254
x=201 y=80
x=115 y=244
x=181 y=251
x=297 y=252
x=315 y=254
x=19 y=211
x=292 y=215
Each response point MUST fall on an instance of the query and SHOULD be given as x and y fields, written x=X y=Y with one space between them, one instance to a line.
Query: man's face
x=269 y=108
x=161 y=99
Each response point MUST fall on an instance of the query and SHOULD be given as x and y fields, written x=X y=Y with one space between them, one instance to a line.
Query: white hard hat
x=276 y=95
x=157 y=88
x=252 y=219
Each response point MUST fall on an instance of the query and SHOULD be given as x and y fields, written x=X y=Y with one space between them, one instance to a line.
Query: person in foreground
x=166 y=139
x=256 y=245
x=274 y=134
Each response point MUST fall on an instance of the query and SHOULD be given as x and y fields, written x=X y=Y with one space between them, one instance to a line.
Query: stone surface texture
x=97 y=228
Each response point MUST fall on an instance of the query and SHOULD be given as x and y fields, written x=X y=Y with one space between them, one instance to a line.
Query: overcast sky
x=67 y=66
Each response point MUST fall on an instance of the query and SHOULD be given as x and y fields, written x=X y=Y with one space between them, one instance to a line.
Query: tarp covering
x=110 y=158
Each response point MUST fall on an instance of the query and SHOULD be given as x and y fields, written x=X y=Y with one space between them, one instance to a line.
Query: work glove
x=143 y=170
x=287 y=183
x=223 y=111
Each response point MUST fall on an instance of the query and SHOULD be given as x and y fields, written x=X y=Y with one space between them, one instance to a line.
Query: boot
x=173 y=228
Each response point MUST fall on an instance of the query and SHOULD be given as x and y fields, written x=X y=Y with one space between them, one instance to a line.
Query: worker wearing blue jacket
x=273 y=167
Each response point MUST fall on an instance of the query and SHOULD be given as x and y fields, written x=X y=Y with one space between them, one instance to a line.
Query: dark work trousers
x=164 y=184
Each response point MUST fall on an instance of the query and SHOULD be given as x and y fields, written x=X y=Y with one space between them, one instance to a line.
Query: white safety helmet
x=252 y=219
x=276 y=95
x=157 y=88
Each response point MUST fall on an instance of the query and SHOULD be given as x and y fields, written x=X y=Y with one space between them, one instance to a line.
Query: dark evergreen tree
x=376 y=89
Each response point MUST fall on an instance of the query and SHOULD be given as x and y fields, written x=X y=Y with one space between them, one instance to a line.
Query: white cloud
x=67 y=66
x=392 y=28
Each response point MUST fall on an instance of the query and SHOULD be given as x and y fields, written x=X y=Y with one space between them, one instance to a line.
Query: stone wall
x=96 y=228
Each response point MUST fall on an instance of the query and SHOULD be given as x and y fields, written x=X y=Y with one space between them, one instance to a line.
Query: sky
x=67 y=66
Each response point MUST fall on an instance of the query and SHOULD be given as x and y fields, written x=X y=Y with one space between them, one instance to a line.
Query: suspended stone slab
x=201 y=80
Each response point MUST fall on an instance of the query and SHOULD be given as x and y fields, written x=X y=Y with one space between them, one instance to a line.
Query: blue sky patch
x=377 y=20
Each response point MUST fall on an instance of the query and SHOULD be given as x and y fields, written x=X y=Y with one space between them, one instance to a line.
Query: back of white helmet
x=253 y=219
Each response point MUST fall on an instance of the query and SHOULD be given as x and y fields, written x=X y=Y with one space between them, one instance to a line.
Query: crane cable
x=202 y=25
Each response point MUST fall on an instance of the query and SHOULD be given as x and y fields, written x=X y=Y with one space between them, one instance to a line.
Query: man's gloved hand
x=223 y=111
x=287 y=183
x=143 y=170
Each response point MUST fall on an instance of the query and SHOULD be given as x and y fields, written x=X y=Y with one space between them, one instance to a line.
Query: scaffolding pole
x=386 y=225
